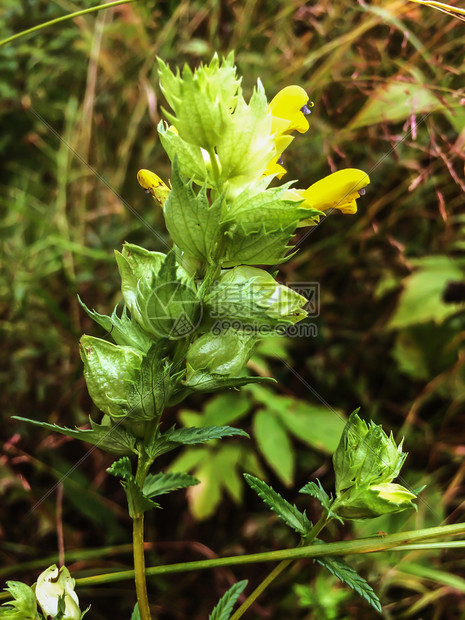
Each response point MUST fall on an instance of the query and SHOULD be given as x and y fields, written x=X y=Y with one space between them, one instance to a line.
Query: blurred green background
x=79 y=104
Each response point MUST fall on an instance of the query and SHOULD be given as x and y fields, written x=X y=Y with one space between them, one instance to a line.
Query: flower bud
x=53 y=584
x=365 y=463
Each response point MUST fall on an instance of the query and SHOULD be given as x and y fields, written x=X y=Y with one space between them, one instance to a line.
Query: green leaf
x=121 y=468
x=189 y=156
x=152 y=385
x=395 y=102
x=136 y=614
x=274 y=444
x=251 y=208
x=112 y=438
x=316 y=425
x=349 y=576
x=246 y=146
x=264 y=246
x=124 y=331
x=208 y=382
x=226 y=603
x=138 y=502
x=295 y=519
x=159 y=484
x=421 y=300
x=205 y=498
x=23 y=606
x=193 y=224
x=317 y=491
x=226 y=408
x=173 y=438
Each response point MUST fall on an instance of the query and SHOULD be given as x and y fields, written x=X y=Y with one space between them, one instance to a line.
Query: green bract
x=202 y=100
x=251 y=296
x=365 y=463
x=109 y=370
x=225 y=353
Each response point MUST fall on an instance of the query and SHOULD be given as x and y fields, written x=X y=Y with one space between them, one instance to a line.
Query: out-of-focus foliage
x=79 y=109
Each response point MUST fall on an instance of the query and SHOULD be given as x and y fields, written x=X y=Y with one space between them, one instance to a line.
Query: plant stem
x=139 y=567
x=402 y=541
x=316 y=529
x=138 y=547
x=63 y=18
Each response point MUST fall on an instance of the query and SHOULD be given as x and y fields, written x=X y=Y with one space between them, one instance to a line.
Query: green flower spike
x=54 y=584
x=365 y=463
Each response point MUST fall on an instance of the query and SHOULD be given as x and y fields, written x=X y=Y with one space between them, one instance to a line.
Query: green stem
x=138 y=547
x=62 y=19
x=139 y=567
x=373 y=544
x=316 y=529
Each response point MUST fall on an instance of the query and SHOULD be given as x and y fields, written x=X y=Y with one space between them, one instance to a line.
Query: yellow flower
x=339 y=190
x=153 y=185
x=288 y=113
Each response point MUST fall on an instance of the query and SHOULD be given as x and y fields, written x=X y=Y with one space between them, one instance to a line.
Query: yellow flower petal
x=153 y=185
x=336 y=191
x=288 y=105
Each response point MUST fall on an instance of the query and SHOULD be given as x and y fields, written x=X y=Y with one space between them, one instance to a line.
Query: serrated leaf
x=174 y=438
x=138 y=501
x=345 y=573
x=192 y=222
x=317 y=491
x=113 y=438
x=121 y=468
x=152 y=386
x=159 y=484
x=226 y=603
x=23 y=606
x=289 y=513
x=246 y=146
x=274 y=444
x=210 y=382
x=189 y=156
x=250 y=209
x=263 y=247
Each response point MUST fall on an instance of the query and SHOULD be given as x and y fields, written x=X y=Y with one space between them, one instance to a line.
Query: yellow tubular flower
x=288 y=110
x=153 y=185
x=336 y=191
x=290 y=104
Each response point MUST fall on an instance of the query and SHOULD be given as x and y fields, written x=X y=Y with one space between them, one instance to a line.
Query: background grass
x=79 y=105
